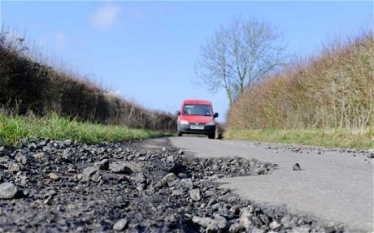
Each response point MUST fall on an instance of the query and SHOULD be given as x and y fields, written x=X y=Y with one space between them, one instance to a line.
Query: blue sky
x=145 y=50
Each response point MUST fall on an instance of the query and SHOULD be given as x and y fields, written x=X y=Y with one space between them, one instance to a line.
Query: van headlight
x=183 y=122
x=211 y=123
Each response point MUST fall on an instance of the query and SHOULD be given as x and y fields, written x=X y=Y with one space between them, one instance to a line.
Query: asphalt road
x=332 y=186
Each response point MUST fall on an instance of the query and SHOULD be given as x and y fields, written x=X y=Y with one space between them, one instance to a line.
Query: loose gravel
x=62 y=186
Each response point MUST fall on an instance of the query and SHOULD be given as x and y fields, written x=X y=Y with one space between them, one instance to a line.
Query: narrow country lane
x=334 y=185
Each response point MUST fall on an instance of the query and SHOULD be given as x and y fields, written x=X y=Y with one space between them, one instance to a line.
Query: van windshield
x=197 y=110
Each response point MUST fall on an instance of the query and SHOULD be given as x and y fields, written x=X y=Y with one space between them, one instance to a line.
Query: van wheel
x=211 y=136
x=179 y=134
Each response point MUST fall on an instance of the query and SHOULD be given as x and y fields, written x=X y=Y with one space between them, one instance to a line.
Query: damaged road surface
x=334 y=185
x=143 y=186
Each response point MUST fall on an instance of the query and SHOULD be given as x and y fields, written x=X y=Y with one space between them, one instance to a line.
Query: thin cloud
x=60 y=40
x=137 y=13
x=105 y=17
x=140 y=12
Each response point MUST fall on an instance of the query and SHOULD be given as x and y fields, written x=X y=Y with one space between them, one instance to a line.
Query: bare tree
x=240 y=55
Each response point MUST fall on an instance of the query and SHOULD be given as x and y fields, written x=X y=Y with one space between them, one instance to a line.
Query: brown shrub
x=333 y=90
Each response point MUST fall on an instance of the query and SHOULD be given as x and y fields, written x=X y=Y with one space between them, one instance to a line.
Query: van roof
x=196 y=101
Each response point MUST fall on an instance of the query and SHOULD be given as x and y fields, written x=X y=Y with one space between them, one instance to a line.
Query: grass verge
x=13 y=128
x=341 y=138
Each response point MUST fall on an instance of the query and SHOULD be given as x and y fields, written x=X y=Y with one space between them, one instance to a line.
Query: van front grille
x=195 y=123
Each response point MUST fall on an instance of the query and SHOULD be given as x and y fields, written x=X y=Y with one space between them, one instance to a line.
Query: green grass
x=12 y=128
x=313 y=137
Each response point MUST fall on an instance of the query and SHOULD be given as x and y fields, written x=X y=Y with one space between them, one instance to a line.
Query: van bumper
x=191 y=129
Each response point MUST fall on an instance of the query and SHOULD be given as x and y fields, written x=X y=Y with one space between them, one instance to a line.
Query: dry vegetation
x=27 y=84
x=332 y=91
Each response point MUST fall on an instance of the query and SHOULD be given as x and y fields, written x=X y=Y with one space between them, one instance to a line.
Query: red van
x=196 y=117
